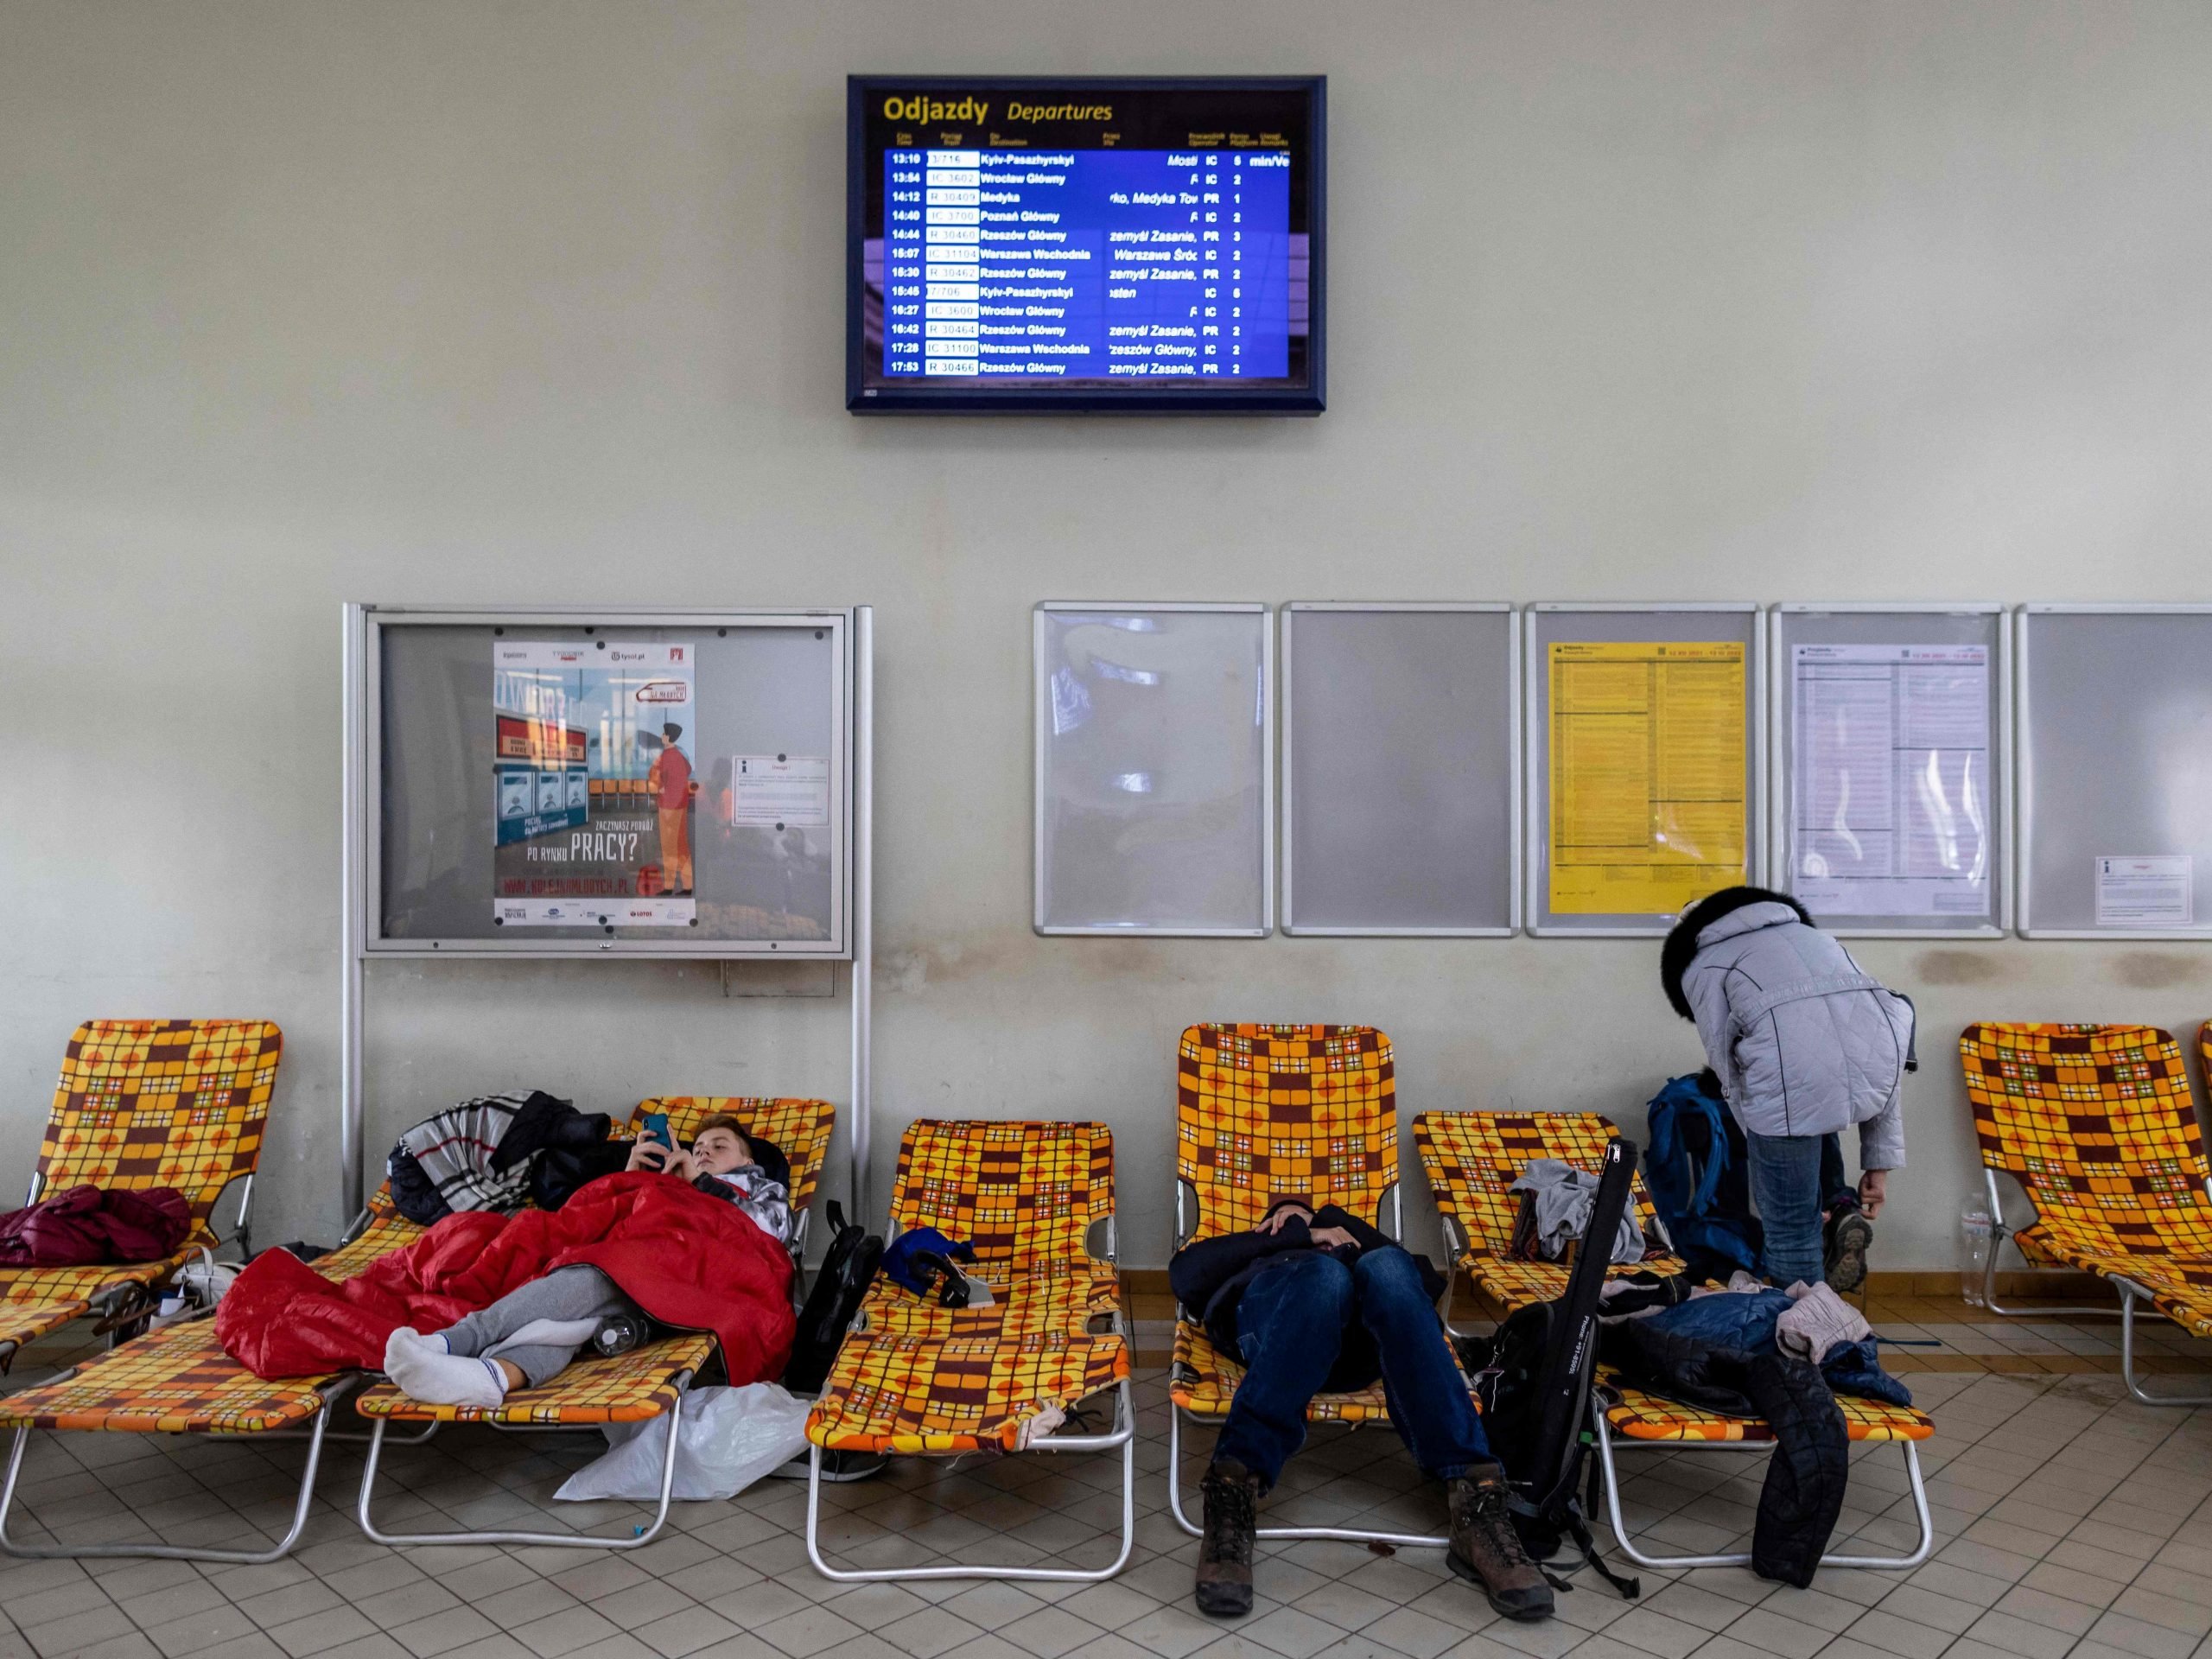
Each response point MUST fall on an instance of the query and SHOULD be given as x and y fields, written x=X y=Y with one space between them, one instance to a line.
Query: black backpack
x=848 y=1268
x=1533 y=1377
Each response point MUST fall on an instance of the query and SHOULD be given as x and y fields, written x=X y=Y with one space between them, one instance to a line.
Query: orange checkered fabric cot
x=173 y=1381
x=914 y=1378
x=625 y=1388
x=1268 y=1112
x=1636 y=1415
x=22 y=1322
x=1471 y=1159
x=800 y=1127
x=145 y=1103
x=2096 y=1123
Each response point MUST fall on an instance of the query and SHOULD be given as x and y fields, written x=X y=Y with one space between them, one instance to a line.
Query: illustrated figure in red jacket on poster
x=693 y=1239
x=669 y=782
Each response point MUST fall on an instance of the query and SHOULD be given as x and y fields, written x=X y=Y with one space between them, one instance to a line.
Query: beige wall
x=302 y=302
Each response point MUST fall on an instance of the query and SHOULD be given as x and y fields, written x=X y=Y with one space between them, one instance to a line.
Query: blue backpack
x=1696 y=1169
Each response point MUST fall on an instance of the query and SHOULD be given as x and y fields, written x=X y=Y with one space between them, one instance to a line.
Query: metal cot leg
x=1886 y=1563
x=643 y=1536
x=2128 y=1293
x=1124 y=1437
x=168 y=1551
x=1345 y=1535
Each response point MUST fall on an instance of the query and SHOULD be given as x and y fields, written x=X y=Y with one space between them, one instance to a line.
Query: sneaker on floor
x=1232 y=1500
x=1486 y=1548
x=1849 y=1234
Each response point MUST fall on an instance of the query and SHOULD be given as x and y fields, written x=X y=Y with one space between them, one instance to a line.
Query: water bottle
x=1974 y=1244
x=618 y=1333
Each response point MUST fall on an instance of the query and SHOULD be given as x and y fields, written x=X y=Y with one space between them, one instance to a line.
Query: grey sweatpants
x=568 y=1294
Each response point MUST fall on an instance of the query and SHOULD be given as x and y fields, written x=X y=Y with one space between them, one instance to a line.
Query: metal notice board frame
x=1509 y=923
x=1782 y=757
x=1140 y=617
x=361 y=927
x=2097 y=786
x=1650 y=622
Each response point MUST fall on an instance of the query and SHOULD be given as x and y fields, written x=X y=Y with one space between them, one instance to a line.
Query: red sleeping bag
x=690 y=1261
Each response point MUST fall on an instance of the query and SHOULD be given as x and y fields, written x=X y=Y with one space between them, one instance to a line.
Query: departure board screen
x=1086 y=244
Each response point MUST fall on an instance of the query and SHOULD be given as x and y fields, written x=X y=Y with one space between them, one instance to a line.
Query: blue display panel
x=1122 y=264
x=1091 y=244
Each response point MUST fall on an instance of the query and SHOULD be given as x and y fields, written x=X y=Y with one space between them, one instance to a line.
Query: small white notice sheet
x=780 y=791
x=1890 y=803
x=2158 y=891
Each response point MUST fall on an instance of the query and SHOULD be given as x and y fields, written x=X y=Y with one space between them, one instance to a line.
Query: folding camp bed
x=2096 y=1124
x=648 y=1381
x=1470 y=1158
x=144 y=1103
x=1268 y=1112
x=915 y=1379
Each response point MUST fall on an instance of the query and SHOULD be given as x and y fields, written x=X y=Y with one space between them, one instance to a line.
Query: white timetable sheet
x=1891 y=809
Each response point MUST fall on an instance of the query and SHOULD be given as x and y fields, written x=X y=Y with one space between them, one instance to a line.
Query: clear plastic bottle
x=1974 y=1244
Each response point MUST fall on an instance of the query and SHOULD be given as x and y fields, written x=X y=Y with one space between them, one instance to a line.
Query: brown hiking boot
x=1232 y=1499
x=1486 y=1548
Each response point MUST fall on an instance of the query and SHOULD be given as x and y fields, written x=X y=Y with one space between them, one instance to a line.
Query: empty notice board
x=1155 y=769
x=2115 y=757
x=1401 y=769
x=1644 y=790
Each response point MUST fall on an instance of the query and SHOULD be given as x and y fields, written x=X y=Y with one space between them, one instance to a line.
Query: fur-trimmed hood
x=1686 y=937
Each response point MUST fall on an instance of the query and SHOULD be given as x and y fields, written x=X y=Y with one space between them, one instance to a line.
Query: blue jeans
x=1795 y=1178
x=1290 y=1327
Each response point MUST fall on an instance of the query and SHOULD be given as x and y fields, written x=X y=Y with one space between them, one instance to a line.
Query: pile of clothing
x=1752 y=1350
x=497 y=1152
x=93 y=1226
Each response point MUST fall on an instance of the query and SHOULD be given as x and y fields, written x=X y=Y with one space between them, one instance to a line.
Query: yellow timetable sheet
x=1647 y=775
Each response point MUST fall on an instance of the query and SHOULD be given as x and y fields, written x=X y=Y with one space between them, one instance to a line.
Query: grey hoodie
x=1803 y=1041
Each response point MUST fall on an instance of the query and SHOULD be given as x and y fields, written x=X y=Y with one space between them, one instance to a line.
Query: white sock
x=425 y=1371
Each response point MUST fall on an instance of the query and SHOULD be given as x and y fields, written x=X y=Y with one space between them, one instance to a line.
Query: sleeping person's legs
x=462 y=1365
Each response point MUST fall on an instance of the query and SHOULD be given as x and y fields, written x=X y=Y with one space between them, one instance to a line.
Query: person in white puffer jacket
x=1805 y=1046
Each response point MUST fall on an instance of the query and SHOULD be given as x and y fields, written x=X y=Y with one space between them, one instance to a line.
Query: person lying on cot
x=529 y=1337
x=1804 y=1046
x=1317 y=1300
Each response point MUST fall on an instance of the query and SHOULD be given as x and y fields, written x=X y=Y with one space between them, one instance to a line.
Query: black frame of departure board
x=862 y=398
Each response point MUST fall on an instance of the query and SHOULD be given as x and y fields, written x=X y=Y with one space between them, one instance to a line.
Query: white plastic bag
x=730 y=1438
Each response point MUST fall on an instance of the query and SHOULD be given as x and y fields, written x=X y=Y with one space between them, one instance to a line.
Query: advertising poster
x=595 y=801
x=1890 y=811
x=1648 y=792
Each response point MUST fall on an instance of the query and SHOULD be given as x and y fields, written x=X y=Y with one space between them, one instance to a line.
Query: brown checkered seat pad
x=2096 y=1123
x=388 y=1230
x=24 y=1322
x=162 y=1102
x=1472 y=1157
x=1268 y=1112
x=145 y=1103
x=1641 y=1416
x=922 y=1378
x=173 y=1381
x=1201 y=1382
x=625 y=1388
x=800 y=1127
x=908 y=1393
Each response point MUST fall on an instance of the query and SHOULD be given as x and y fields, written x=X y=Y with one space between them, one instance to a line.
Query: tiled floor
x=2071 y=1521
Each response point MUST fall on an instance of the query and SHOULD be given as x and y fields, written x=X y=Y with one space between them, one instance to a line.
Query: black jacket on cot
x=1209 y=1279
x=1811 y=1462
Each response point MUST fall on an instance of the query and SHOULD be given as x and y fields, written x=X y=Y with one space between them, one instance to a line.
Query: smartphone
x=657 y=1129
